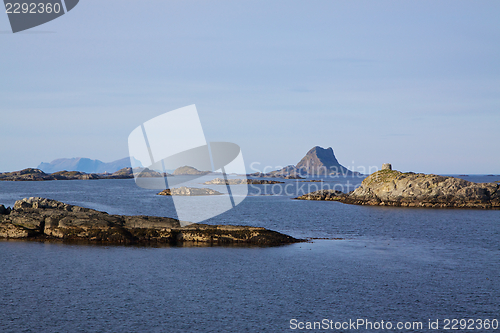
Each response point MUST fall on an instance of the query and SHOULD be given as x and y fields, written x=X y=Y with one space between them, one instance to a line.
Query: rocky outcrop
x=327 y=195
x=221 y=181
x=145 y=172
x=288 y=172
x=72 y=175
x=4 y=211
x=38 y=175
x=29 y=174
x=124 y=173
x=293 y=176
x=137 y=172
x=187 y=170
x=189 y=191
x=39 y=218
x=393 y=188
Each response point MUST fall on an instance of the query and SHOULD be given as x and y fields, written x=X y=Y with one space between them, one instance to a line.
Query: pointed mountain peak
x=321 y=161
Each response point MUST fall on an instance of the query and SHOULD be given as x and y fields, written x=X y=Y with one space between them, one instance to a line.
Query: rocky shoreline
x=51 y=220
x=393 y=188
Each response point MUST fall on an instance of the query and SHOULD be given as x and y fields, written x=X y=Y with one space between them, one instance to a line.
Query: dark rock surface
x=4 y=211
x=40 y=218
x=189 y=191
x=394 y=188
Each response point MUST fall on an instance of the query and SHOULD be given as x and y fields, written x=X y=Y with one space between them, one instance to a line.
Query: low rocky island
x=189 y=171
x=189 y=191
x=393 y=188
x=31 y=174
x=222 y=181
x=51 y=220
x=325 y=195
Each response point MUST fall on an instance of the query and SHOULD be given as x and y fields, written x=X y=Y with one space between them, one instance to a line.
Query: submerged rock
x=40 y=218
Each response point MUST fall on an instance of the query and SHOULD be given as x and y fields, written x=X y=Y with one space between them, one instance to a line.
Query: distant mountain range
x=317 y=162
x=87 y=165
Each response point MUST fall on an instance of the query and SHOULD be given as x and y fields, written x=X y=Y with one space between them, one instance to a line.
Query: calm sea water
x=393 y=264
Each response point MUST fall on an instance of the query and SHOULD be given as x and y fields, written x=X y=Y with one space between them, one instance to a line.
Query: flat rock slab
x=40 y=218
x=221 y=181
x=189 y=191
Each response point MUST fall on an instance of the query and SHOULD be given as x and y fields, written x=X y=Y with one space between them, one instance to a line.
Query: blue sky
x=413 y=83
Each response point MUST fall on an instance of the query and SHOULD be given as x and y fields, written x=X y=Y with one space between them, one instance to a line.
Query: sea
x=363 y=269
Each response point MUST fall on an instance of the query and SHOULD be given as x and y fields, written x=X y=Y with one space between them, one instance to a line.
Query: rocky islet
x=389 y=187
x=189 y=191
x=50 y=220
x=222 y=181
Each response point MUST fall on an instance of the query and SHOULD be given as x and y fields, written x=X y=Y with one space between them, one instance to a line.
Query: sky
x=412 y=83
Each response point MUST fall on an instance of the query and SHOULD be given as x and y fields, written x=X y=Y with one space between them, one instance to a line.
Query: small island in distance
x=386 y=187
x=31 y=174
x=221 y=181
x=317 y=162
x=189 y=191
